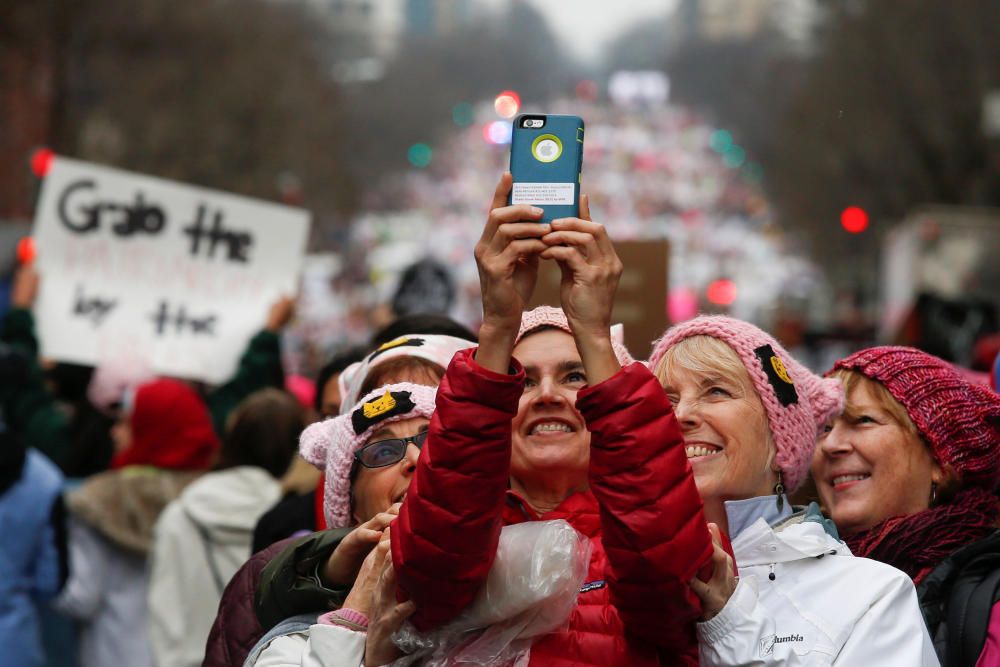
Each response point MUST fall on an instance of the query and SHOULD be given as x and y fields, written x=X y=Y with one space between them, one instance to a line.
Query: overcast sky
x=586 y=26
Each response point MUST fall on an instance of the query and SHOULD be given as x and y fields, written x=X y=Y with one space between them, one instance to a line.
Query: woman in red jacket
x=541 y=422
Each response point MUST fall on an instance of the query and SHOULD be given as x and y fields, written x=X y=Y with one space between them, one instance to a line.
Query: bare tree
x=27 y=57
x=232 y=94
x=513 y=49
x=889 y=118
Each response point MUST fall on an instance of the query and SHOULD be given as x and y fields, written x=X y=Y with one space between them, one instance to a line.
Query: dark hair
x=335 y=366
x=422 y=323
x=12 y=448
x=403 y=369
x=424 y=287
x=70 y=381
x=263 y=431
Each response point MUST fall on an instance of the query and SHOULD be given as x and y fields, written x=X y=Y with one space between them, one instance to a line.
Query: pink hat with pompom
x=114 y=378
x=330 y=445
x=547 y=316
x=797 y=401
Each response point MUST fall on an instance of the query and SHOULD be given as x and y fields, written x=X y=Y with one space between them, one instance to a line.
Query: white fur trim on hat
x=436 y=348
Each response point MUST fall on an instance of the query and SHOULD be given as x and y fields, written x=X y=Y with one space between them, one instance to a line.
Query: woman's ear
x=937 y=474
x=355 y=521
x=772 y=450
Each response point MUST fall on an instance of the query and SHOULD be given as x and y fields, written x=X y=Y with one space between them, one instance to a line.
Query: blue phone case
x=545 y=163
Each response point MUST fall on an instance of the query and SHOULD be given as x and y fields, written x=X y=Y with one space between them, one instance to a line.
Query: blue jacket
x=32 y=564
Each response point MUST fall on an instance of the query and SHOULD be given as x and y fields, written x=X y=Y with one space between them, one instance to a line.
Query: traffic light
x=507 y=104
x=854 y=220
x=41 y=161
x=721 y=292
x=26 y=250
x=419 y=155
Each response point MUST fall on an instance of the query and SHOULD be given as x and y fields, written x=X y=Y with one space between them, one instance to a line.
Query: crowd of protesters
x=651 y=173
x=528 y=495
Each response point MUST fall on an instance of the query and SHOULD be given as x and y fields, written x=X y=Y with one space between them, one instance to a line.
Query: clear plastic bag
x=530 y=591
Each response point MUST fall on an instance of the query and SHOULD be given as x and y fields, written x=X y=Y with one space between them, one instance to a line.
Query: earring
x=779 y=491
x=933 y=494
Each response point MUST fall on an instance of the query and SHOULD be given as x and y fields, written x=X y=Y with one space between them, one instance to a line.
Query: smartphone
x=546 y=158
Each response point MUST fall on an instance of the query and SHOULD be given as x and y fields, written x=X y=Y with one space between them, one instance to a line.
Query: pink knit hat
x=436 y=348
x=114 y=378
x=302 y=388
x=547 y=316
x=960 y=420
x=330 y=445
x=797 y=401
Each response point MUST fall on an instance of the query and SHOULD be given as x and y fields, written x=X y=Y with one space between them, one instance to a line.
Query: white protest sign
x=137 y=266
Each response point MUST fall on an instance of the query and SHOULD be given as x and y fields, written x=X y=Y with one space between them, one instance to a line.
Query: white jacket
x=106 y=594
x=823 y=606
x=200 y=541
x=321 y=646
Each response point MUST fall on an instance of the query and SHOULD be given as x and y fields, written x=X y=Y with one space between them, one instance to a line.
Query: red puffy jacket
x=643 y=515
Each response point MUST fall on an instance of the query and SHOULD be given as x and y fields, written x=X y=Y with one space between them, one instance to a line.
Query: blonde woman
x=750 y=415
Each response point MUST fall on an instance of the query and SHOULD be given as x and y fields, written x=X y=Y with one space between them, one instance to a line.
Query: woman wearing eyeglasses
x=277 y=583
x=368 y=456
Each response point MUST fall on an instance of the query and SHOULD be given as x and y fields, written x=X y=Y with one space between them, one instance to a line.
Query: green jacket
x=32 y=411
x=259 y=368
x=29 y=408
x=289 y=584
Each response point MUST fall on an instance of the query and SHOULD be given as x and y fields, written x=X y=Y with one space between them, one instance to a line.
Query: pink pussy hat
x=547 y=316
x=330 y=445
x=116 y=376
x=959 y=419
x=797 y=401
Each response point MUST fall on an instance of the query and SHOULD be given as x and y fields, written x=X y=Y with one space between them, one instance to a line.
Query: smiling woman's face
x=725 y=435
x=869 y=467
x=374 y=490
x=725 y=427
x=549 y=435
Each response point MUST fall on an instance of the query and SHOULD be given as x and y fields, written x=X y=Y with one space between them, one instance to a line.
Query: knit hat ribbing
x=797 y=402
x=330 y=445
x=547 y=316
x=171 y=429
x=960 y=420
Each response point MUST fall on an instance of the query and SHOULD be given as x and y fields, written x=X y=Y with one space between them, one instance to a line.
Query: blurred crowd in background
x=827 y=171
x=817 y=165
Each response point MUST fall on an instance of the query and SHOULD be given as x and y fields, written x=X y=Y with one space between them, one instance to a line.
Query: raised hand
x=590 y=272
x=360 y=596
x=507 y=259
x=25 y=287
x=345 y=561
x=280 y=314
x=385 y=615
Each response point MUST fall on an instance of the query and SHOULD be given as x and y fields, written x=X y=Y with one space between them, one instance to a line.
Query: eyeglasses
x=386 y=452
